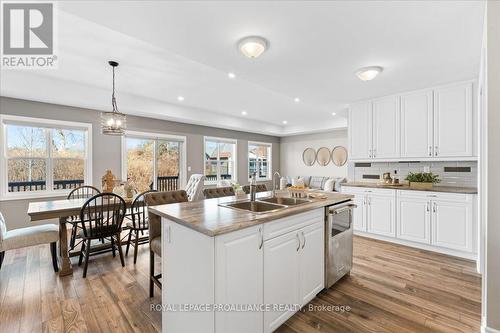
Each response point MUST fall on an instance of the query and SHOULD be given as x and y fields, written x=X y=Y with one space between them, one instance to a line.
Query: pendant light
x=114 y=122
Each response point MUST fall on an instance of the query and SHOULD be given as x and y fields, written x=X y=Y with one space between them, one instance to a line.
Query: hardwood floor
x=391 y=288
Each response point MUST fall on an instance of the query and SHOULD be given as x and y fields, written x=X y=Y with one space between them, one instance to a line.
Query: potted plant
x=422 y=180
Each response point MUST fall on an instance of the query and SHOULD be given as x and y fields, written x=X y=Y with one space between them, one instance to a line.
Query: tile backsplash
x=450 y=173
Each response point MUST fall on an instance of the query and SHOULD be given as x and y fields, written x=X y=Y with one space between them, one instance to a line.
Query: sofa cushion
x=338 y=183
x=317 y=182
x=307 y=180
x=3 y=227
x=329 y=185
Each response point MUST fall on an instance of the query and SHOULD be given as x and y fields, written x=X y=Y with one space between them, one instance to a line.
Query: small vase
x=420 y=185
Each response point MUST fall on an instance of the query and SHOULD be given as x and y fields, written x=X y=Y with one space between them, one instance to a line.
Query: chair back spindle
x=104 y=215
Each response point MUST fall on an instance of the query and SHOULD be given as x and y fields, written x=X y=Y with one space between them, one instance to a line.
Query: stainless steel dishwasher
x=338 y=241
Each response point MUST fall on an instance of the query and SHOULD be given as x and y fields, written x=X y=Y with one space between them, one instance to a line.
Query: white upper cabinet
x=385 y=131
x=427 y=124
x=360 y=130
x=453 y=121
x=416 y=124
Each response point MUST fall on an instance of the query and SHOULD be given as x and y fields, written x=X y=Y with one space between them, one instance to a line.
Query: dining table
x=62 y=209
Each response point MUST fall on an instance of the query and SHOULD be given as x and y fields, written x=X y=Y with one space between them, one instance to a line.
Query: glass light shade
x=113 y=123
x=368 y=73
x=252 y=47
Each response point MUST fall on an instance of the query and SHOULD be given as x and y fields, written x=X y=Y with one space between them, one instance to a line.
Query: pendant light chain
x=113 y=99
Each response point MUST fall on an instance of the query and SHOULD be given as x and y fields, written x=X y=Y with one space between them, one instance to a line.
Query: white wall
x=292 y=147
x=492 y=271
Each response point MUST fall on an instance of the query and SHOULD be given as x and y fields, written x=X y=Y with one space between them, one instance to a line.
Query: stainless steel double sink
x=264 y=205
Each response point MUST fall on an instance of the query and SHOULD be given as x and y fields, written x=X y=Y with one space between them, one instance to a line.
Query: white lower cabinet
x=414 y=219
x=293 y=275
x=452 y=224
x=444 y=222
x=375 y=211
x=381 y=214
x=239 y=271
x=281 y=277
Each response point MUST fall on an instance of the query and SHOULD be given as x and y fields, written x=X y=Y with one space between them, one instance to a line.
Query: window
x=153 y=161
x=220 y=160
x=43 y=157
x=259 y=160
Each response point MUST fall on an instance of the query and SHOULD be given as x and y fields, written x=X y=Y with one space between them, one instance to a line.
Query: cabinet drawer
x=460 y=197
x=367 y=190
x=287 y=224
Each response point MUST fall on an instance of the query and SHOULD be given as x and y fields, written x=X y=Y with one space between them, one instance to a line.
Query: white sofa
x=319 y=182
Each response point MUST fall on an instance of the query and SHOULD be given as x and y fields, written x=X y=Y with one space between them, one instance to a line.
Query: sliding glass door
x=152 y=163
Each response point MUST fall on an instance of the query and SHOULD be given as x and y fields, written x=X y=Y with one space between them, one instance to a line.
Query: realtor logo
x=28 y=35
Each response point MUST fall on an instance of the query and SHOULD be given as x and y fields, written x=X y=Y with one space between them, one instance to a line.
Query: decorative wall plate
x=323 y=156
x=339 y=155
x=309 y=156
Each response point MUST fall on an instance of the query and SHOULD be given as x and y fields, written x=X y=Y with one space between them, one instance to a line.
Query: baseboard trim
x=486 y=329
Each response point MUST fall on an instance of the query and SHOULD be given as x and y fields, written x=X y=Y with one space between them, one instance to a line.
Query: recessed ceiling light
x=296 y=99
x=180 y=98
x=284 y=122
x=334 y=114
x=253 y=46
x=369 y=73
x=243 y=113
x=231 y=75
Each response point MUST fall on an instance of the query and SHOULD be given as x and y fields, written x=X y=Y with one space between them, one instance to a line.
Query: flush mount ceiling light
x=253 y=46
x=369 y=73
x=296 y=100
x=334 y=114
x=180 y=98
x=114 y=122
x=284 y=122
x=243 y=113
x=231 y=75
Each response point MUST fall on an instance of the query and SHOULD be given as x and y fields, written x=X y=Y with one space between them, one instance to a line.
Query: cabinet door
x=359 y=213
x=416 y=124
x=281 y=277
x=239 y=269
x=312 y=263
x=414 y=219
x=453 y=121
x=452 y=225
x=385 y=120
x=381 y=214
x=360 y=130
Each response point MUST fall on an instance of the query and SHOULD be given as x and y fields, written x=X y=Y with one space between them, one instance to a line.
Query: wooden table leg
x=65 y=263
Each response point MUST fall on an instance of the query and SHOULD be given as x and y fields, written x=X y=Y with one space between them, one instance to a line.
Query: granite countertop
x=207 y=217
x=445 y=189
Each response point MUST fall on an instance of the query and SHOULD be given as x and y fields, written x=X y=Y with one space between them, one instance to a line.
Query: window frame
x=156 y=136
x=269 y=161
x=234 y=177
x=48 y=124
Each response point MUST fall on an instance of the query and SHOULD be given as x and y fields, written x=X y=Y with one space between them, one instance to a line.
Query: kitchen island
x=231 y=270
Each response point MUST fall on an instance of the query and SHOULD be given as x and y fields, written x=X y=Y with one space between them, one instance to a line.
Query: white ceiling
x=167 y=49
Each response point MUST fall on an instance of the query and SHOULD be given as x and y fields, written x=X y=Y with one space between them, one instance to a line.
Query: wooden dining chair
x=101 y=217
x=138 y=223
x=155 y=199
x=81 y=192
x=218 y=192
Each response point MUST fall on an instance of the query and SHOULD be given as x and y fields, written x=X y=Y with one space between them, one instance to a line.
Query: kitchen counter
x=445 y=189
x=207 y=217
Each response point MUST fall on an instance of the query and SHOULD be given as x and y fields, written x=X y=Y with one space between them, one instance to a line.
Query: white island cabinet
x=278 y=263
